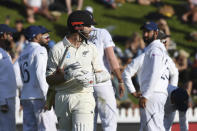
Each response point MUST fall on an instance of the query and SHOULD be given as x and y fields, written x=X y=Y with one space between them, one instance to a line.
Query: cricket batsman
x=73 y=67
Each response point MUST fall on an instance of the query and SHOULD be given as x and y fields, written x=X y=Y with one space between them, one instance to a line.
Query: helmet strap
x=83 y=37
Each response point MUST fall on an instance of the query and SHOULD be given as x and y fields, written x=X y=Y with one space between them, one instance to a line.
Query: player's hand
x=46 y=108
x=4 y=108
x=137 y=94
x=73 y=70
x=86 y=79
x=142 y=102
x=121 y=89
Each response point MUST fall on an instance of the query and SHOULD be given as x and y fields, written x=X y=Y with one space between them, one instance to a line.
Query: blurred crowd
x=134 y=45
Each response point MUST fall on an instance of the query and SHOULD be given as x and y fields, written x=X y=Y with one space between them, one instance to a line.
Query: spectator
x=6 y=34
x=147 y=2
x=60 y=5
x=69 y=7
x=192 y=3
x=37 y=6
x=182 y=64
x=110 y=3
x=163 y=26
x=191 y=15
x=134 y=45
x=194 y=81
x=19 y=38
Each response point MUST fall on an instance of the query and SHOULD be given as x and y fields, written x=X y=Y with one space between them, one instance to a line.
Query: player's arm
x=40 y=68
x=19 y=82
x=100 y=75
x=55 y=75
x=114 y=65
x=130 y=71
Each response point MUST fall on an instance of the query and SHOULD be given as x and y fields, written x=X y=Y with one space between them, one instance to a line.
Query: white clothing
x=75 y=112
x=32 y=115
x=102 y=39
x=19 y=81
x=135 y=67
x=104 y=94
x=7 y=77
x=151 y=117
x=170 y=111
x=74 y=104
x=33 y=61
x=106 y=108
x=153 y=75
x=86 y=55
x=50 y=120
x=34 y=3
x=153 y=68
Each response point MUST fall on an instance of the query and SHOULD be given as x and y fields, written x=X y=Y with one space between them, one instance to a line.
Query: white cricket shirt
x=33 y=62
x=7 y=77
x=102 y=39
x=86 y=55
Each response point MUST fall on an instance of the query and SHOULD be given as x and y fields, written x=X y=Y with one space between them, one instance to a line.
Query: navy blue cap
x=44 y=30
x=149 y=26
x=6 y=29
x=32 y=31
x=180 y=98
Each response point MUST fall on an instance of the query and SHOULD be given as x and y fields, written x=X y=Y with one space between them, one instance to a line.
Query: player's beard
x=148 y=40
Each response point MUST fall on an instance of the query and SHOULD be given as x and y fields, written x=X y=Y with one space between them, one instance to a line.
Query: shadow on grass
x=14 y=6
x=173 y=29
x=128 y=19
x=60 y=30
x=120 y=39
x=179 y=9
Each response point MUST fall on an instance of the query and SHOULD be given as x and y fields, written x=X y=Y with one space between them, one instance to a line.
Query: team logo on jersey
x=85 y=53
x=68 y=55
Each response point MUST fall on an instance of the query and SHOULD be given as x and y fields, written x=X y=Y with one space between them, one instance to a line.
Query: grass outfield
x=127 y=19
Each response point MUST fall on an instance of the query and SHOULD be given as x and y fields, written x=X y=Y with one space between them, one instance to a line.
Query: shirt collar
x=68 y=44
x=34 y=43
x=156 y=43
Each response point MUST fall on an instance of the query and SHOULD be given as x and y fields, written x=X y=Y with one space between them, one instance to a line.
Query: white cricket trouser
x=32 y=115
x=106 y=107
x=7 y=120
x=75 y=112
x=152 y=117
x=49 y=120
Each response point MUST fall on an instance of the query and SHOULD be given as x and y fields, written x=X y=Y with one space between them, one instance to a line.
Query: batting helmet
x=78 y=19
x=180 y=98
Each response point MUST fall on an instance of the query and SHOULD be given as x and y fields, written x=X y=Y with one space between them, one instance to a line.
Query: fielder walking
x=153 y=81
x=7 y=85
x=33 y=62
x=104 y=94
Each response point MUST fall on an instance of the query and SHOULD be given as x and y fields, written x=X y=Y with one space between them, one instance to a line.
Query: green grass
x=127 y=19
